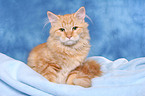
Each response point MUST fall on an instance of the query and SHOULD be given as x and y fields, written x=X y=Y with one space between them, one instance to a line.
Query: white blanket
x=120 y=78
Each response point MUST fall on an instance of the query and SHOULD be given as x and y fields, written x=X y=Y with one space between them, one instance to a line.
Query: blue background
x=117 y=31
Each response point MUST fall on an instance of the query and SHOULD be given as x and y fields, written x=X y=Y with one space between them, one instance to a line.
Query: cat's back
x=37 y=52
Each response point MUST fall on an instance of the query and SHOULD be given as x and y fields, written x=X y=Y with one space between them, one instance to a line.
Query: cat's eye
x=61 y=29
x=75 y=27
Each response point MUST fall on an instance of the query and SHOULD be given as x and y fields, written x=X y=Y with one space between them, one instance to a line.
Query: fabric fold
x=120 y=78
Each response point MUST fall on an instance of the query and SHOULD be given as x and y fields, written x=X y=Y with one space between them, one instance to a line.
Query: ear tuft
x=52 y=17
x=80 y=14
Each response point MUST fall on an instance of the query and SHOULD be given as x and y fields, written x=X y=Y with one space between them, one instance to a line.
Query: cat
x=62 y=58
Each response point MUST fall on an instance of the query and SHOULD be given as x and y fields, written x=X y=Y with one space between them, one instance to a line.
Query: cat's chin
x=69 y=43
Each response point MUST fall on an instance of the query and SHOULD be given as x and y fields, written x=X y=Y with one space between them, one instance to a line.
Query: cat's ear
x=52 y=17
x=80 y=14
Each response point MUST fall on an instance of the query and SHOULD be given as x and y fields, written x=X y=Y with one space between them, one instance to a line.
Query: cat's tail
x=91 y=69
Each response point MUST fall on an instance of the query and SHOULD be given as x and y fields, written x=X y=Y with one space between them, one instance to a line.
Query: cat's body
x=66 y=60
x=66 y=50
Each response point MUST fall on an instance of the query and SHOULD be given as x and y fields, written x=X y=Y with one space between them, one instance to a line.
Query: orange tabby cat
x=62 y=58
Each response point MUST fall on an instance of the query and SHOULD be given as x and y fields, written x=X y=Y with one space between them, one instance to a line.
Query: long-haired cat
x=62 y=58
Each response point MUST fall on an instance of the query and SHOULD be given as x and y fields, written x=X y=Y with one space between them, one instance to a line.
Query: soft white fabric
x=120 y=78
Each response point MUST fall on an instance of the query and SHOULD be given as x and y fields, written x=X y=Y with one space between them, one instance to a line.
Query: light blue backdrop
x=118 y=28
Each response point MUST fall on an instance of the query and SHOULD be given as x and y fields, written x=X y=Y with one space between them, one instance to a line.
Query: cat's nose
x=69 y=36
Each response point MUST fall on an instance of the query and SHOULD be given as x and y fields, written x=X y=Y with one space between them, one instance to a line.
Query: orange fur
x=65 y=51
x=84 y=73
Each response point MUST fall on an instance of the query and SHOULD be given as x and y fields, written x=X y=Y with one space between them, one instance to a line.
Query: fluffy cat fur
x=62 y=58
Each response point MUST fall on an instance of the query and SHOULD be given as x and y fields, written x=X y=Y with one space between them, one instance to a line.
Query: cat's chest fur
x=68 y=58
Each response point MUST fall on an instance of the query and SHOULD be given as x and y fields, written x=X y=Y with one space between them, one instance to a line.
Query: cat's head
x=70 y=28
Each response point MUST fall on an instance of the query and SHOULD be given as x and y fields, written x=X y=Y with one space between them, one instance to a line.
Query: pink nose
x=69 y=36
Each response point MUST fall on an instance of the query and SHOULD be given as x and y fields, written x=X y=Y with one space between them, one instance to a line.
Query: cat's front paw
x=84 y=82
x=70 y=79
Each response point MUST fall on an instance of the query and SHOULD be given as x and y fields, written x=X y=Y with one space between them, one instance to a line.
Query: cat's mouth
x=70 y=42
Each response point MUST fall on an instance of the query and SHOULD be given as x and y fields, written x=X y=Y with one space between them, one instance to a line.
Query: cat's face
x=69 y=28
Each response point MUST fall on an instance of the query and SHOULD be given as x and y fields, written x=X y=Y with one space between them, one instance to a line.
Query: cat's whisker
x=89 y=18
x=46 y=21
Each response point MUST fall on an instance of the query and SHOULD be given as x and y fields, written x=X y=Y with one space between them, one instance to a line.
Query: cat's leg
x=48 y=70
x=83 y=74
x=73 y=74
